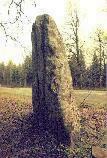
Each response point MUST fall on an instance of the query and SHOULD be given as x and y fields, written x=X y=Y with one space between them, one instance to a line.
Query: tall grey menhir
x=52 y=93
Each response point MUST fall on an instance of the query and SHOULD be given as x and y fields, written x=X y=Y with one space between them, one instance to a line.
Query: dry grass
x=92 y=97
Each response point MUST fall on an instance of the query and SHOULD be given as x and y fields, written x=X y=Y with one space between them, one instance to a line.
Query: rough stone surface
x=52 y=96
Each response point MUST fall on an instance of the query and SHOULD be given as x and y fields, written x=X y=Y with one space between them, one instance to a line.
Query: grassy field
x=21 y=138
x=90 y=97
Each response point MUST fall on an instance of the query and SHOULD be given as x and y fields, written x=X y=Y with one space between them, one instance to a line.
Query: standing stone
x=52 y=94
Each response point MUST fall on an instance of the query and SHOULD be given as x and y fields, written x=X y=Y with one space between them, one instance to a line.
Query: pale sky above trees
x=93 y=14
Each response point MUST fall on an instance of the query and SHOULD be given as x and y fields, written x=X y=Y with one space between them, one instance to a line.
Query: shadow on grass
x=22 y=138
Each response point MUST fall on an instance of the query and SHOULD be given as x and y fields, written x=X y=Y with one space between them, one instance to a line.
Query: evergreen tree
x=101 y=51
x=8 y=73
x=95 y=72
x=2 y=71
x=20 y=68
x=27 y=68
x=15 y=76
x=78 y=70
x=104 y=77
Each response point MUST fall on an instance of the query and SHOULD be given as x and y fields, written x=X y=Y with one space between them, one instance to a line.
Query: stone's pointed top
x=44 y=15
x=44 y=18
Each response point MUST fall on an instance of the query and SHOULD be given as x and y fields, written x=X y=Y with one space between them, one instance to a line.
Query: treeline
x=16 y=75
x=92 y=77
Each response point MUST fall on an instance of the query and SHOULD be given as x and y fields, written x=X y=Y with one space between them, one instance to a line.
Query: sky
x=92 y=14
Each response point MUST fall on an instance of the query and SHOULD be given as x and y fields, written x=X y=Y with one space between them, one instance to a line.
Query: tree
x=95 y=72
x=101 y=51
x=2 y=72
x=78 y=71
x=15 y=76
x=27 y=69
x=13 y=20
x=20 y=68
x=104 y=76
x=8 y=73
x=75 y=47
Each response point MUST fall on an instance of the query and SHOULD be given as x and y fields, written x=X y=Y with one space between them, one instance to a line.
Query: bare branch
x=14 y=39
x=86 y=98
x=5 y=32
x=10 y=6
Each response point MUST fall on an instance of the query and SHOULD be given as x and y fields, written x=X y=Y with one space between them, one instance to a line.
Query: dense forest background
x=93 y=76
